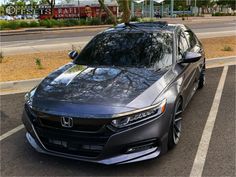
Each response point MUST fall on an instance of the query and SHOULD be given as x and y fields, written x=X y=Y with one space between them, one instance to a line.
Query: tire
x=202 y=78
x=176 y=123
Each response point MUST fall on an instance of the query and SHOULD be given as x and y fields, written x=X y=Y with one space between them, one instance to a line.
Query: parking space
x=223 y=141
x=11 y=110
x=19 y=159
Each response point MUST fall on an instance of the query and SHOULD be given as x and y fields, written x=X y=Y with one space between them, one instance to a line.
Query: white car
x=18 y=17
x=7 y=17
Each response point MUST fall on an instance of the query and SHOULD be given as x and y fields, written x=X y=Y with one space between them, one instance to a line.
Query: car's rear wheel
x=176 y=125
x=202 y=78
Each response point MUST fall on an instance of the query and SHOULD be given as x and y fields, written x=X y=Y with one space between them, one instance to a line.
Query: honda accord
x=120 y=99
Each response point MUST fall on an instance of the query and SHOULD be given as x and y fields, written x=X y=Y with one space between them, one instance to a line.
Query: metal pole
x=142 y=9
x=195 y=7
x=172 y=8
x=162 y=9
x=151 y=8
x=79 y=10
x=132 y=8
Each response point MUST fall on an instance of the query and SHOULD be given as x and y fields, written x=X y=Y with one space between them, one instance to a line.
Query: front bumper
x=114 y=151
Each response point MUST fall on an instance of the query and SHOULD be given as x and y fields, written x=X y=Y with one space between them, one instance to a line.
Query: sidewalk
x=44 y=29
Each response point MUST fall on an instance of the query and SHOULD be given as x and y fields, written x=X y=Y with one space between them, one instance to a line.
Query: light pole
x=132 y=8
x=79 y=10
x=172 y=8
x=162 y=9
x=151 y=8
x=195 y=7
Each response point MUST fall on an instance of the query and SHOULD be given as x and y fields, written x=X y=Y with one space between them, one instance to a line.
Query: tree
x=52 y=5
x=126 y=11
x=229 y=3
x=2 y=10
x=108 y=11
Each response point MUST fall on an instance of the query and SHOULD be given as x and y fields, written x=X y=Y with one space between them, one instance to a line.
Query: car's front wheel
x=176 y=124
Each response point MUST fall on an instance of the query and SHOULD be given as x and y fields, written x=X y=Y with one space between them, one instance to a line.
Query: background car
x=125 y=105
x=7 y=17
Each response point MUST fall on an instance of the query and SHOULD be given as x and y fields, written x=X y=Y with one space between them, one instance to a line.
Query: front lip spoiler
x=120 y=159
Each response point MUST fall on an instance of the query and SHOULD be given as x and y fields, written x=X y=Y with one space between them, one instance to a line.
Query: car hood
x=96 y=90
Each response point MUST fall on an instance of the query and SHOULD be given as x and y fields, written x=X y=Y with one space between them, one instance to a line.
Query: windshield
x=128 y=49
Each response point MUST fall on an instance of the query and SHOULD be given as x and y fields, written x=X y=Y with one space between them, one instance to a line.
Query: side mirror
x=191 y=57
x=73 y=54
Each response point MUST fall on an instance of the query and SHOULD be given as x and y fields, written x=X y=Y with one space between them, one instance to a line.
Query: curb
x=21 y=86
x=39 y=30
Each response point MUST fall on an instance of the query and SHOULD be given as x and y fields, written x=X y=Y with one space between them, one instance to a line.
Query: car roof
x=146 y=26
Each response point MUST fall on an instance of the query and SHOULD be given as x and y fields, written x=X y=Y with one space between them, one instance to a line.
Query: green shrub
x=82 y=21
x=71 y=22
x=13 y=24
x=24 y=24
x=227 y=48
x=34 y=24
x=3 y=24
x=49 y=23
x=94 y=21
x=109 y=21
x=1 y=57
x=135 y=18
x=38 y=63
x=147 y=20
x=43 y=22
x=60 y=23
x=223 y=14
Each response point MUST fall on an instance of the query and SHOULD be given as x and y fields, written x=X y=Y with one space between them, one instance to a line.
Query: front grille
x=86 y=138
x=75 y=143
x=79 y=124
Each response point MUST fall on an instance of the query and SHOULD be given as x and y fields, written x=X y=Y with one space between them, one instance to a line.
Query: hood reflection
x=97 y=85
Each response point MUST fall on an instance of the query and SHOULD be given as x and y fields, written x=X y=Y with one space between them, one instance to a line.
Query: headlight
x=140 y=115
x=29 y=97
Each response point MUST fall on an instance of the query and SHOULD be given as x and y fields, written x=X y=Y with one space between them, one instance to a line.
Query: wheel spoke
x=178 y=119
x=176 y=134
x=178 y=113
x=176 y=128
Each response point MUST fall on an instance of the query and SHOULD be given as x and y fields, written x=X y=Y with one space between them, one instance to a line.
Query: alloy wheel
x=177 y=122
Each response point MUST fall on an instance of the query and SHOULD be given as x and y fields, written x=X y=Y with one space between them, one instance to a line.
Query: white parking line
x=9 y=133
x=203 y=146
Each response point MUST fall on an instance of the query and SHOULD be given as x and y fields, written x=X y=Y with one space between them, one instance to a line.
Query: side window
x=182 y=45
x=191 y=38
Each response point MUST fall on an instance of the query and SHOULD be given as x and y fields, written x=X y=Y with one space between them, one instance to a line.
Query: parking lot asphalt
x=19 y=159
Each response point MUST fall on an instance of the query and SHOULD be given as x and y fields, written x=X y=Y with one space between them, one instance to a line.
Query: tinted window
x=182 y=45
x=128 y=49
x=190 y=38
